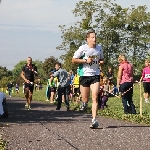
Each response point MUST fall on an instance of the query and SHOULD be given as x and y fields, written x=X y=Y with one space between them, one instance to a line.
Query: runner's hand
x=27 y=81
x=89 y=60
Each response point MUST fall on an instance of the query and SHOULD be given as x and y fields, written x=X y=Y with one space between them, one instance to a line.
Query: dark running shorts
x=30 y=86
x=53 y=89
x=146 y=86
x=86 y=81
x=76 y=91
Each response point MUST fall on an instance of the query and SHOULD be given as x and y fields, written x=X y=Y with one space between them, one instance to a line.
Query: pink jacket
x=146 y=74
x=127 y=72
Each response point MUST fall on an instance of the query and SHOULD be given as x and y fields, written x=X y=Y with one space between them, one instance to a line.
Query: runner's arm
x=77 y=56
x=23 y=77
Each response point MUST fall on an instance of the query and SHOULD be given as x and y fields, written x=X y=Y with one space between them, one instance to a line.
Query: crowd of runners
x=88 y=80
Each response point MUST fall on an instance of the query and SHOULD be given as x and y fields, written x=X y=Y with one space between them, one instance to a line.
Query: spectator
x=76 y=88
x=146 y=80
x=62 y=76
x=114 y=90
x=110 y=76
x=105 y=93
x=9 y=88
x=3 y=106
x=17 y=88
x=125 y=80
x=52 y=87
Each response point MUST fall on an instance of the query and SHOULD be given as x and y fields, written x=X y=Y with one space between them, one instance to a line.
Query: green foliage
x=49 y=64
x=4 y=72
x=119 y=30
x=2 y=144
x=5 y=76
x=5 y=80
x=41 y=72
x=17 y=71
x=115 y=109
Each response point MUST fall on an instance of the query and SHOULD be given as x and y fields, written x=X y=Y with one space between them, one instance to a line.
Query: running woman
x=27 y=74
x=88 y=57
x=146 y=80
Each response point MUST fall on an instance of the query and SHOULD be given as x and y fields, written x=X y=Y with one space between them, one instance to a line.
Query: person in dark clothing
x=9 y=88
x=110 y=76
x=64 y=85
x=28 y=73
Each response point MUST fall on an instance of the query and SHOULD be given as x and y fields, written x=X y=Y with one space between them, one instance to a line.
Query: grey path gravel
x=44 y=128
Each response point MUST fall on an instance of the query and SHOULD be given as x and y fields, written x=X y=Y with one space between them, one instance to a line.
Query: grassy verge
x=2 y=144
x=114 y=110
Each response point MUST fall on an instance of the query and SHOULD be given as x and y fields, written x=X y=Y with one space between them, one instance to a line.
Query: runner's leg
x=95 y=90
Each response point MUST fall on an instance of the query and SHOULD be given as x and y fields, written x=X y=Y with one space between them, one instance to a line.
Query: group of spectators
x=10 y=88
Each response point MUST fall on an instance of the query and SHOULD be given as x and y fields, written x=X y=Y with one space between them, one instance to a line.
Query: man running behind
x=27 y=74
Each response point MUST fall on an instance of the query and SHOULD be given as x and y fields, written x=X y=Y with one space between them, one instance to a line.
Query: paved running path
x=44 y=128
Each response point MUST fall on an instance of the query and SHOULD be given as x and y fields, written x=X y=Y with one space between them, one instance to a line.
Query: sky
x=30 y=27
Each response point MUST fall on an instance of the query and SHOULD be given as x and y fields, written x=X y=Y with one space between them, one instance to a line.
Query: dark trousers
x=63 y=91
x=126 y=93
x=102 y=100
x=48 y=93
x=9 y=91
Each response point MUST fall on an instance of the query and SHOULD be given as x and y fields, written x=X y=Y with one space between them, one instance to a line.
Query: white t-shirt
x=84 y=52
x=2 y=96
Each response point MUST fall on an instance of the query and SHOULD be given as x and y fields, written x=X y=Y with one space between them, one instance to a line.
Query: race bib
x=94 y=63
x=147 y=75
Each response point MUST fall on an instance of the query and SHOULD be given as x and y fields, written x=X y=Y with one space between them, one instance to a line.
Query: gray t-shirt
x=62 y=76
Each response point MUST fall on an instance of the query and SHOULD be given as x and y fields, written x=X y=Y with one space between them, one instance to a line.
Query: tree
x=18 y=69
x=49 y=64
x=5 y=76
x=119 y=30
x=68 y=57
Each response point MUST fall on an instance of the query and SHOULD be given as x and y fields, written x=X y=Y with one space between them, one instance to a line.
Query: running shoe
x=94 y=124
x=26 y=105
x=146 y=101
x=68 y=108
x=29 y=108
x=83 y=107
x=57 y=108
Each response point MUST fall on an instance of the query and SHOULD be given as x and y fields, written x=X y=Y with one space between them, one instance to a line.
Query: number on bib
x=147 y=75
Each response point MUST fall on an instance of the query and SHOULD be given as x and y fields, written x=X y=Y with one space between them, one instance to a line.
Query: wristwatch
x=85 y=60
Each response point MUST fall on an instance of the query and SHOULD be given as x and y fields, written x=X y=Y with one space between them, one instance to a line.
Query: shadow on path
x=40 y=112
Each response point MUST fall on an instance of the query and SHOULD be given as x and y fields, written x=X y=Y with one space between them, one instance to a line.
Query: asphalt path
x=44 y=128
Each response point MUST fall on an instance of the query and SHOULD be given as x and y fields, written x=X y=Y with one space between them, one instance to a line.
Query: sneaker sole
x=93 y=127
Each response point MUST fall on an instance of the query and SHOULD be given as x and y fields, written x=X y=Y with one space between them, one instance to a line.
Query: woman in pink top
x=146 y=80
x=125 y=80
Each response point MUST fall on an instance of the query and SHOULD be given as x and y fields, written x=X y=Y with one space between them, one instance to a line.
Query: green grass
x=114 y=110
x=2 y=144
